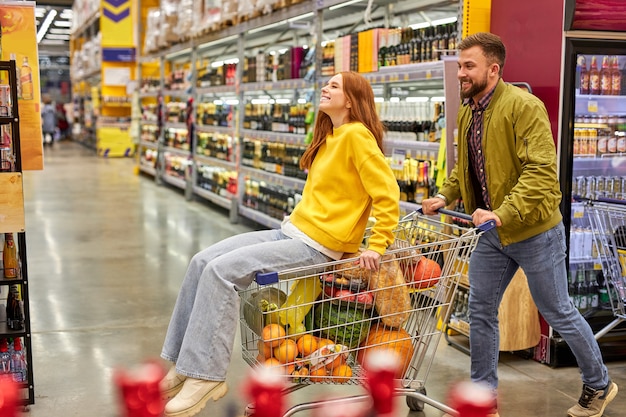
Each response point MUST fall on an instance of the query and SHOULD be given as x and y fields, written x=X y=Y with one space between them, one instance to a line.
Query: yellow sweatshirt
x=348 y=180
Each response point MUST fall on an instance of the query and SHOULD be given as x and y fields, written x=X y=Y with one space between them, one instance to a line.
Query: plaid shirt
x=474 y=139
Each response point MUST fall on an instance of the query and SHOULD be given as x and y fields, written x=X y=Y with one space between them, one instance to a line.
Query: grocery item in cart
x=261 y=308
x=391 y=299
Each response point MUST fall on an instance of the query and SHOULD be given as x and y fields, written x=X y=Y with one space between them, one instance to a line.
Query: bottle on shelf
x=18 y=362
x=5 y=357
x=581 y=292
x=616 y=77
x=583 y=75
x=605 y=77
x=593 y=301
x=9 y=257
x=594 y=77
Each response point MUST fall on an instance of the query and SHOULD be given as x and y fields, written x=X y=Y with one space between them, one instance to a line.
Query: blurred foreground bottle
x=9 y=257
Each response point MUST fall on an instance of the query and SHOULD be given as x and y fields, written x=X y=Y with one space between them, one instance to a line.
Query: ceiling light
x=444 y=21
x=53 y=36
x=46 y=24
x=59 y=31
x=348 y=3
x=63 y=23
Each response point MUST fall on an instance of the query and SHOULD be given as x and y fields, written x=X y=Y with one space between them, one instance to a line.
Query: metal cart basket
x=608 y=224
x=318 y=324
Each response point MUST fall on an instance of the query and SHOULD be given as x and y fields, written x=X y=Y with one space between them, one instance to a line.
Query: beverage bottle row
x=277 y=158
x=416 y=178
x=598 y=142
x=604 y=81
x=411 y=121
x=584 y=290
x=214 y=144
x=407 y=46
x=217 y=180
x=13 y=359
x=274 y=200
x=594 y=186
x=214 y=114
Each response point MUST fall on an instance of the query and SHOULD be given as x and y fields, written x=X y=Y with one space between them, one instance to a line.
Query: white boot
x=193 y=397
x=171 y=383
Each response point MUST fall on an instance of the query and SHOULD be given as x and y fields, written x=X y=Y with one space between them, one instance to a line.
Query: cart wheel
x=413 y=403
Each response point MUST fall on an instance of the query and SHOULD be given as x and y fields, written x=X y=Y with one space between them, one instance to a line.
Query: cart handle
x=488 y=225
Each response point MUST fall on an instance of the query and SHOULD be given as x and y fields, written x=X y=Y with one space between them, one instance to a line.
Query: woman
x=348 y=181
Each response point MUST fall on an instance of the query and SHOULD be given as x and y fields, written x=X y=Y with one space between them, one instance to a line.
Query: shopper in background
x=348 y=179
x=48 y=120
x=506 y=171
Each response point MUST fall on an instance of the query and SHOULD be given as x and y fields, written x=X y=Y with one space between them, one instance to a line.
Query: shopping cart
x=607 y=218
x=318 y=324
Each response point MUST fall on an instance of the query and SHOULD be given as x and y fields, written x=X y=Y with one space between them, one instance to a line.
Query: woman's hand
x=369 y=260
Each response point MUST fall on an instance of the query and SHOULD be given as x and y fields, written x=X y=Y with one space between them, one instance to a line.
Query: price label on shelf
x=592 y=106
x=397 y=159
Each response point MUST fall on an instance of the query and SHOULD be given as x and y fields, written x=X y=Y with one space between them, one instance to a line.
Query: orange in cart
x=265 y=350
x=286 y=352
x=272 y=333
x=307 y=344
x=318 y=375
x=342 y=373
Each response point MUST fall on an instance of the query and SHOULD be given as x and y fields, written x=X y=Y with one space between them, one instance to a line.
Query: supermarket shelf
x=180 y=152
x=274 y=179
x=229 y=130
x=287 y=138
x=86 y=24
x=175 y=181
x=149 y=94
x=151 y=145
x=96 y=72
x=390 y=144
x=208 y=160
x=148 y=169
x=214 y=198
x=293 y=84
x=215 y=90
x=259 y=217
x=177 y=93
x=603 y=105
x=175 y=125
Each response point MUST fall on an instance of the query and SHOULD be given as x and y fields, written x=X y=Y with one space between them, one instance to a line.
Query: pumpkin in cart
x=397 y=341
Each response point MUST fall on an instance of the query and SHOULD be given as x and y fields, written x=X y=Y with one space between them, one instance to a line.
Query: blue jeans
x=542 y=258
x=203 y=326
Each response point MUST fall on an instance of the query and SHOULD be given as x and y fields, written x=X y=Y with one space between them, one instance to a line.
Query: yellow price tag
x=592 y=106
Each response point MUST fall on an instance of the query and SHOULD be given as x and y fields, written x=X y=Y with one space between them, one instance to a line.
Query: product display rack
x=11 y=180
x=181 y=165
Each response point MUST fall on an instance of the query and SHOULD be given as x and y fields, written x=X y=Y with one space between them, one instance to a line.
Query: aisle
x=107 y=250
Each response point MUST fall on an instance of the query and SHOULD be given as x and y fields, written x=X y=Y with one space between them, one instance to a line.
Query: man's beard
x=475 y=88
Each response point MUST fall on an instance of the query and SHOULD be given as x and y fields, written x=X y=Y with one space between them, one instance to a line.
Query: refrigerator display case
x=592 y=156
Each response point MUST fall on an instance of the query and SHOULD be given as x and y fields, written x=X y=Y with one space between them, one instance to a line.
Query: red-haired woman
x=348 y=181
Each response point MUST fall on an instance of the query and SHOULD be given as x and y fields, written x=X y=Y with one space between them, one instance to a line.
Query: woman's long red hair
x=359 y=93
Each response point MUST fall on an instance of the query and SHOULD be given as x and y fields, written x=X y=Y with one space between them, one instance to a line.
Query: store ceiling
x=53 y=42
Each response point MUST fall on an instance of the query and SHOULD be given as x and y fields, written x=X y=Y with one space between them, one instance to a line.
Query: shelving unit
x=12 y=208
x=219 y=58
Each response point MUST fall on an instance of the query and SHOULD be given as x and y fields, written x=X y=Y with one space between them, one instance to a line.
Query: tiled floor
x=107 y=250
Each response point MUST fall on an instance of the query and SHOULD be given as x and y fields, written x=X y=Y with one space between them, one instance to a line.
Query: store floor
x=107 y=250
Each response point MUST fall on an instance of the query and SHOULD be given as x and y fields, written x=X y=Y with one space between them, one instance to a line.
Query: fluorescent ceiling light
x=417 y=99
x=283 y=101
x=379 y=100
x=46 y=24
x=67 y=14
x=348 y=3
x=53 y=36
x=420 y=25
x=40 y=12
x=59 y=31
x=444 y=21
x=302 y=16
x=63 y=23
x=232 y=102
x=438 y=99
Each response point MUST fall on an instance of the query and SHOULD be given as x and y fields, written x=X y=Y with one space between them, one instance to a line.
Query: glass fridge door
x=598 y=163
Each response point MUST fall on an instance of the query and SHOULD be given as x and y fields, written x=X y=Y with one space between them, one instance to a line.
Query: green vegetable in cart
x=343 y=325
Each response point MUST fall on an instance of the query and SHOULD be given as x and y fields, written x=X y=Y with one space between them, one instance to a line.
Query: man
x=506 y=172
